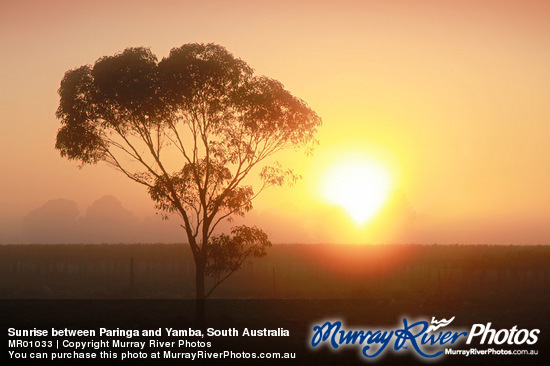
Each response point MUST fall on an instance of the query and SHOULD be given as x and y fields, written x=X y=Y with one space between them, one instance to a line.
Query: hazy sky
x=450 y=97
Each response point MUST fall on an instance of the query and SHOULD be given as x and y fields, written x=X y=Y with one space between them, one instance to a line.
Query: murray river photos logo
x=428 y=340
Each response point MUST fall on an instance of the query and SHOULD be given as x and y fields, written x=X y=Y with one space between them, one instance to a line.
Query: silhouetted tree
x=190 y=128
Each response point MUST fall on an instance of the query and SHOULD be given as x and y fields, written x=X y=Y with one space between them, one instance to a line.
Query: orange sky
x=451 y=97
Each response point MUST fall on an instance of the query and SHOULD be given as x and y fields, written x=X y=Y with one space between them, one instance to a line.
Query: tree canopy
x=190 y=128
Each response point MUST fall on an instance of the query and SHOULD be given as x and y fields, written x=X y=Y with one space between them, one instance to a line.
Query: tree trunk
x=200 y=263
x=199 y=294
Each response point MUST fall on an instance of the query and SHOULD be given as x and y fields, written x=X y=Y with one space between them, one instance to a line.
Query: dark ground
x=365 y=287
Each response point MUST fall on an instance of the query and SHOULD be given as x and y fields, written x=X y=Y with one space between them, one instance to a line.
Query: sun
x=357 y=185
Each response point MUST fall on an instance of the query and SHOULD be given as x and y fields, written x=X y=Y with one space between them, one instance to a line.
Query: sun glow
x=357 y=185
